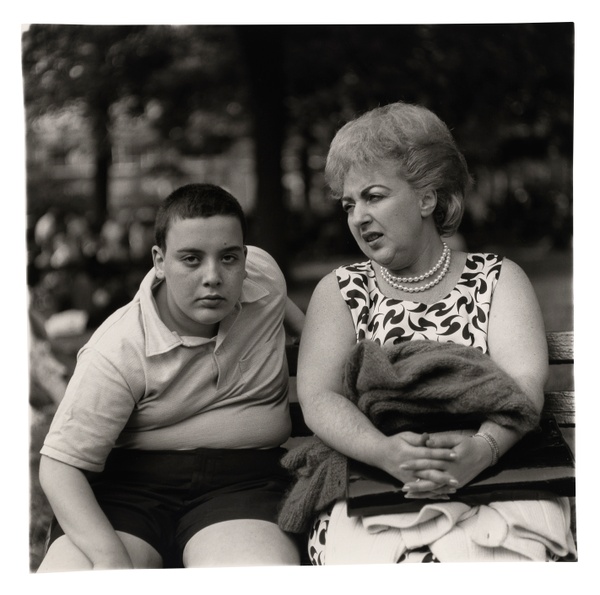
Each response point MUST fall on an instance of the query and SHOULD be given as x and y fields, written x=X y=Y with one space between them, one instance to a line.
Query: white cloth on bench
x=455 y=532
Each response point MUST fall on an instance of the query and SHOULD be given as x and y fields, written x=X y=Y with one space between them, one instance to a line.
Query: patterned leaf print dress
x=460 y=317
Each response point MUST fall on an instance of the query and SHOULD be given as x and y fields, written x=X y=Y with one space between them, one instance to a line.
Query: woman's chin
x=380 y=257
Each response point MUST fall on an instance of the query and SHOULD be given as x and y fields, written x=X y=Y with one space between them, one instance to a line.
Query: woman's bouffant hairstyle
x=192 y=201
x=419 y=142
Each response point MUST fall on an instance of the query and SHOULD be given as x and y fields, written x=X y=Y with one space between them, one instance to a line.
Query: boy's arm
x=80 y=516
x=293 y=319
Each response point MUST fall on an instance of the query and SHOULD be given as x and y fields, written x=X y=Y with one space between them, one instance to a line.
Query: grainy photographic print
x=299 y=295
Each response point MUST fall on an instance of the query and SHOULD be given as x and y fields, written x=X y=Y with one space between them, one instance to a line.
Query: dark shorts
x=166 y=497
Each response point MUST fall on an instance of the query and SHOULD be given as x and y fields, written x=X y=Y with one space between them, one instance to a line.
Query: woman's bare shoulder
x=512 y=276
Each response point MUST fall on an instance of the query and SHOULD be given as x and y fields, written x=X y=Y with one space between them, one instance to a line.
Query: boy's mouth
x=211 y=300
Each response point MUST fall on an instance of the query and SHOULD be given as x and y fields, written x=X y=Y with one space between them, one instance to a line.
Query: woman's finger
x=427 y=490
x=444 y=454
x=444 y=441
x=420 y=464
x=432 y=480
x=442 y=478
x=414 y=439
x=419 y=486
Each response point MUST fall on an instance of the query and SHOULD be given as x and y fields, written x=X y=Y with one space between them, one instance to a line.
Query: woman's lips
x=371 y=236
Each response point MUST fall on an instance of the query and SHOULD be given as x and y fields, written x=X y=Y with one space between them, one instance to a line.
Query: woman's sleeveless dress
x=461 y=317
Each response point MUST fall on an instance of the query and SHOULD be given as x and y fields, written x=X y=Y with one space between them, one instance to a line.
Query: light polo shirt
x=139 y=385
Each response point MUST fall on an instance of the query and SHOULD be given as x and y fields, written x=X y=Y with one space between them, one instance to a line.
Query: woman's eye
x=347 y=206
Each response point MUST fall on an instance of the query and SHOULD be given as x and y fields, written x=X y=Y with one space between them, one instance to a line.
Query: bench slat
x=560 y=347
x=561 y=404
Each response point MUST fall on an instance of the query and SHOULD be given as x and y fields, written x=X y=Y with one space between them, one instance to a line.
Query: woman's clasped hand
x=452 y=460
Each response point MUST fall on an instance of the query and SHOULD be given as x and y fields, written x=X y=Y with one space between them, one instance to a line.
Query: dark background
x=118 y=116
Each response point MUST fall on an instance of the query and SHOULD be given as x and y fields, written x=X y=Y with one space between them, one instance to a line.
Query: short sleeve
x=96 y=407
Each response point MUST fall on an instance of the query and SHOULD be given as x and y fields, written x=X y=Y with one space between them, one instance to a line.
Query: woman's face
x=386 y=216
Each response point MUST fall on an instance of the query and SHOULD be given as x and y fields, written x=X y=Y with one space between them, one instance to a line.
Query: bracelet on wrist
x=492 y=444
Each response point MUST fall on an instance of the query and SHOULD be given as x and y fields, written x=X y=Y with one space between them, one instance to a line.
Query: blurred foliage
x=167 y=74
x=117 y=116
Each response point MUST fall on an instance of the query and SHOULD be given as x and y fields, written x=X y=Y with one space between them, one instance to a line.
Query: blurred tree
x=506 y=91
x=199 y=98
x=162 y=71
x=262 y=49
x=494 y=84
x=94 y=66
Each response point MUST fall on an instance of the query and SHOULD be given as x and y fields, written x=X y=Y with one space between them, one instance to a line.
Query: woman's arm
x=80 y=516
x=516 y=334
x=328 y=337
x=517 y=343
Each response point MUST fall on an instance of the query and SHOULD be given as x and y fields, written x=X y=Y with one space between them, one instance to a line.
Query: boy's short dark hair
x=192 y=201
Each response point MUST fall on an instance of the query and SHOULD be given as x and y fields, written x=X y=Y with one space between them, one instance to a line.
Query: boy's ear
x=159 y=260
x=428 y=202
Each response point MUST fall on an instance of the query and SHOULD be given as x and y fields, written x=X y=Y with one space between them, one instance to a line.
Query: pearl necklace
x=396 y=282
x=426 y=275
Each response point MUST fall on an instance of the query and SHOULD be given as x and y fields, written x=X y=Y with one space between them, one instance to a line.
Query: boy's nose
x=211 y=274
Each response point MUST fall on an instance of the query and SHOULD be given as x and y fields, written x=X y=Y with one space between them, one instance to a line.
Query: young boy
x=168 y=437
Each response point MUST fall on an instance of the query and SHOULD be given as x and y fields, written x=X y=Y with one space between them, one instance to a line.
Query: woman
x=401 y=180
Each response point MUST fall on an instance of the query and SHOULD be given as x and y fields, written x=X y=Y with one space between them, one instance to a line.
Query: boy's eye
x=228 y=258
x=191 y=259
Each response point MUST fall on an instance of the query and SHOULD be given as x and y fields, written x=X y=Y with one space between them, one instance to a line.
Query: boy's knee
x=244 y=542
x=142 y=554
x=64 y=556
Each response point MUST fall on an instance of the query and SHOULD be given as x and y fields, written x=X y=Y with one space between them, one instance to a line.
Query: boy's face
x=204 y=266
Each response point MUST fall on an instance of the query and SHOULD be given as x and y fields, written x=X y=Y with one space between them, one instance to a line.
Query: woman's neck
x=425 y=261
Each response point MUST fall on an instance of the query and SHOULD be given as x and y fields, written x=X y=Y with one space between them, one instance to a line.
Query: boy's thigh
x=64 y=556
x=236 y=523
x=241 y=542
